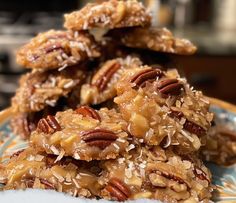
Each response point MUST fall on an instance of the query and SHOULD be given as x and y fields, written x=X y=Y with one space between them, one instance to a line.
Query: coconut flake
x=58 y=176
x=120 y=140
x=76 y=183
x=54 y=150
x=130 y=147
x=116 y=146
x=168 y=142
x=69 y=84
x=60 y=156
x=76 y=156
x=63 y=67
x=185 y=134
x=51 y=102
x=39 y=157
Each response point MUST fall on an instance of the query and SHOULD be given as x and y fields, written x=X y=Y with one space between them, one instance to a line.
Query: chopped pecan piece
x=17 y=153
x=52 y=47
x=194 y=128
x=99 y=137
x=176 y=114
x=29 y=183
x=118 y=189
x=48 y=185
x=188 y=125
x=103 y=80
x=169 y=172
x=88 y=111
x=171 y=177
x=147 y=75
x=169 y=87
x=200 y=174
x=48 y=125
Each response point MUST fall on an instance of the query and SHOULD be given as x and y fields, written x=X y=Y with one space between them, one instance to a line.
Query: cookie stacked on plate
x=105 y=118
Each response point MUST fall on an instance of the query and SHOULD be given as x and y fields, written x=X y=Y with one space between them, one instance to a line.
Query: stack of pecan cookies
x=105 y=118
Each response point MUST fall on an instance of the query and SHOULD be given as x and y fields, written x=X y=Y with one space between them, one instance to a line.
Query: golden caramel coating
x=156 y=39
x=31 y=169
x=109 y=14
x=161 y=109
x=155 y=173
x=57 y=49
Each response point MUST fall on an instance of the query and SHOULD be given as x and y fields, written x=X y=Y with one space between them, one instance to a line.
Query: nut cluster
x=48 y=125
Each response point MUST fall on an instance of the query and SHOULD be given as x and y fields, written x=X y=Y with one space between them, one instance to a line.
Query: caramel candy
x=57 y=49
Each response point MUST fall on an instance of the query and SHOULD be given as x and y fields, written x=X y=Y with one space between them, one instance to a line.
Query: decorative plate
x=223 y=177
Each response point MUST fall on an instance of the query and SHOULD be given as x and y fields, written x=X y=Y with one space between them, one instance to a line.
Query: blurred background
x=210 y=24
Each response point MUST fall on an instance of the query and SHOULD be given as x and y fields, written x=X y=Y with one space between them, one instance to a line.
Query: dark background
x=207 y=23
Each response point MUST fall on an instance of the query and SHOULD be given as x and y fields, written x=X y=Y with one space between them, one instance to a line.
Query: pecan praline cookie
x=162 y=109
x=84 y=134
x=40 y=89
x=57 y=49
x=109 y=14
x=156 y=39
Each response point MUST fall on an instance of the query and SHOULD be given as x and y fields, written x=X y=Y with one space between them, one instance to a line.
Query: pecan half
x=99 y=137
x=148 y=75
x=118 y=189
x=169 y=87
x=201 y=174
x=88 y=111
x=169 y=172
x=172 y=177
x=188 y=125
x=48 y=125
x=103 y=80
